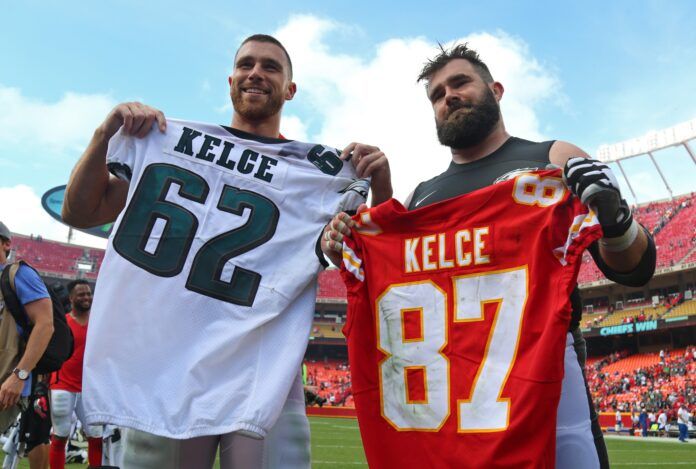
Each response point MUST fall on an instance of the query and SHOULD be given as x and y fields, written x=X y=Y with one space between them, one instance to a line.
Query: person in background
x=33 y=295
x=66 y=383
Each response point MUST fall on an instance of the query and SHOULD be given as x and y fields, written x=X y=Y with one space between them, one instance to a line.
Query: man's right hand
x=136 y=119
x=334 y=233
x=10 y=392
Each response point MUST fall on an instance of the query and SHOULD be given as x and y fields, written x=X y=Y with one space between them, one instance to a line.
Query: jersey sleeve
x=575 y=227
x=120 y=155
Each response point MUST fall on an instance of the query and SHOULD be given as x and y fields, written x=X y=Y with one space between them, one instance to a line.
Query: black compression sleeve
x=637 y=277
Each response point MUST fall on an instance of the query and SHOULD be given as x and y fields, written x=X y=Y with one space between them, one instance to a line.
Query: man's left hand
x=370 y=161
x=596 y=186
x=10 y=391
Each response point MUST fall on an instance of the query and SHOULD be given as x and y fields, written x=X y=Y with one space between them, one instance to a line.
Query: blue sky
x=587 y=72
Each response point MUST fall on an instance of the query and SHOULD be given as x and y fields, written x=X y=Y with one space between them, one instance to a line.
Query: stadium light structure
x=677 y=135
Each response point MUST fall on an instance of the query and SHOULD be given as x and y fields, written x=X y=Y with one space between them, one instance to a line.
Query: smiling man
x=210 y=273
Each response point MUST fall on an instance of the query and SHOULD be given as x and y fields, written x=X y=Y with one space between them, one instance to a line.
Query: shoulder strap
x=9 y=293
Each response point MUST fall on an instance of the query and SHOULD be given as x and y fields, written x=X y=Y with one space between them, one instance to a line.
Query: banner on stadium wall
x=630 y=328
x=52 y=202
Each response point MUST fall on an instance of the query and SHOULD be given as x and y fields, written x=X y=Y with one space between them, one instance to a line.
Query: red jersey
x=457 y=322
x=69 y=377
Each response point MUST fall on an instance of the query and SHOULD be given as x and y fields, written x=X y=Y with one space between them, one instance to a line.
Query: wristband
x=621 y=243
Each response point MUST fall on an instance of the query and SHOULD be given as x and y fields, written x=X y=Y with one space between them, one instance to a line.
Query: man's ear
x=498 y=89
x=291 y=90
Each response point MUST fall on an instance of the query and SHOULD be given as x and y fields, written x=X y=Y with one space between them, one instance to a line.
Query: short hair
x=74 y=283
x=458 y=51
x=270 y=39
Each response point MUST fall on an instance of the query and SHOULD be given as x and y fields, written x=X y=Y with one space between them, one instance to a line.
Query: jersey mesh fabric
x=541 y=244
x=167 y=358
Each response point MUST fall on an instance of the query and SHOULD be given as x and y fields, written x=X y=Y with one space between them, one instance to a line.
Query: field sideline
x=336 y=444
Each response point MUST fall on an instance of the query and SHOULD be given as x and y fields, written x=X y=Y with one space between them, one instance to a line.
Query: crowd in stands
x=639 y=311
x=330 y=380
x=57 y=258
x=654 y=381
x=673 y=226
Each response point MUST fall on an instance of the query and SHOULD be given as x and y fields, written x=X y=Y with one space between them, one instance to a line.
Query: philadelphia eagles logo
x=514 y=173
x=359 y=186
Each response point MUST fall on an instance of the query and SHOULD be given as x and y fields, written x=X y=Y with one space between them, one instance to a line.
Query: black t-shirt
x=514 y=155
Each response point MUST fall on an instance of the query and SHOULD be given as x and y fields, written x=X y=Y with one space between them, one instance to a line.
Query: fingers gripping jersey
x=206 y=294
x=457 y=318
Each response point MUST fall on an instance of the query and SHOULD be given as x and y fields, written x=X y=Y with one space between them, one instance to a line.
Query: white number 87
x=484 y=410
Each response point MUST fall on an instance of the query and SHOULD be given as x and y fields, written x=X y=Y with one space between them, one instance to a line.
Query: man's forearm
x=36 y=345
x=92 y=196
x=628 y=259
x=88 y=183
x=380 y=196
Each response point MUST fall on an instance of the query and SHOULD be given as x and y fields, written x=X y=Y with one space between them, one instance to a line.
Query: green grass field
x=336 y=444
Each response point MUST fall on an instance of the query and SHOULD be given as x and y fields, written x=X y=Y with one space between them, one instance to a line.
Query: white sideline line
x=649 y=439
x=661 y=464
x=355 y=463
x=339 y=446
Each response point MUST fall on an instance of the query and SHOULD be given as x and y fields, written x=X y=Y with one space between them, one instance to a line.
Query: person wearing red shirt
x=66 y=384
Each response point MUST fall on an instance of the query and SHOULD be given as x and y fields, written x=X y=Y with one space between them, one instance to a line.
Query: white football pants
x=63 y=404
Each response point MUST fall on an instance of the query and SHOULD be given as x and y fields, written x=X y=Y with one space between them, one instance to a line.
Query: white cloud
x=65 y=125
x=377 y=100
x=22 y=213
x=293 y=128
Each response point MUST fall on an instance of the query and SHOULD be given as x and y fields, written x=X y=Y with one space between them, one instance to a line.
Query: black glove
x=596 y=186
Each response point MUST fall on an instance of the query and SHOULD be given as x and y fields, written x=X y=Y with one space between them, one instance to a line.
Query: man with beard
x=260 y=84
x=66 y=384
x=465 y=100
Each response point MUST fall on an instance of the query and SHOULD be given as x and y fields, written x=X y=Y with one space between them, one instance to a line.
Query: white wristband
x=621 y=243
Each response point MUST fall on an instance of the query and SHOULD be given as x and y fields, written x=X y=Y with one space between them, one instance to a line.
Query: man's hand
x=596 y=186
x=10 y=391
x=334 y=233
x=370 y=161
x=136 y=119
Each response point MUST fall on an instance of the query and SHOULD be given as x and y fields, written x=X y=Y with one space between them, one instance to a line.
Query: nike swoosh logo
x=420 y=201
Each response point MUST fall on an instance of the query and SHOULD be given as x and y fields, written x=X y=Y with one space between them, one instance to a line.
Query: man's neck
x=264 y=128
x=490 y=144
x=82 y=317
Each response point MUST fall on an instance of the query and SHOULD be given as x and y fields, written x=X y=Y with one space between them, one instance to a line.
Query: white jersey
x=206 y=295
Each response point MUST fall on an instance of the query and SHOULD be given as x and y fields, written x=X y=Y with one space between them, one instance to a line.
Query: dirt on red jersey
x=69 y=377
x=457 y=321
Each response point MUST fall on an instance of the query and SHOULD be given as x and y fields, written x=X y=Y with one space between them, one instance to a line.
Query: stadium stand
x=643 y=379
x=327 y=330
x=331 y=378
x=56 y=258
x=687 y=308
x=331 y=286
x=675 y=238
x=633 y=315
x=672 y=223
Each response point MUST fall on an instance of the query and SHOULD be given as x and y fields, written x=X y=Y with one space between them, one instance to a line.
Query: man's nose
x=256 y=72
x=451 y=96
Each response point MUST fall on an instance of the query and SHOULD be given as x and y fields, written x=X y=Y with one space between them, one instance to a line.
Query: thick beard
x=255 y=112
x=466 y=129
x=80 y=309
